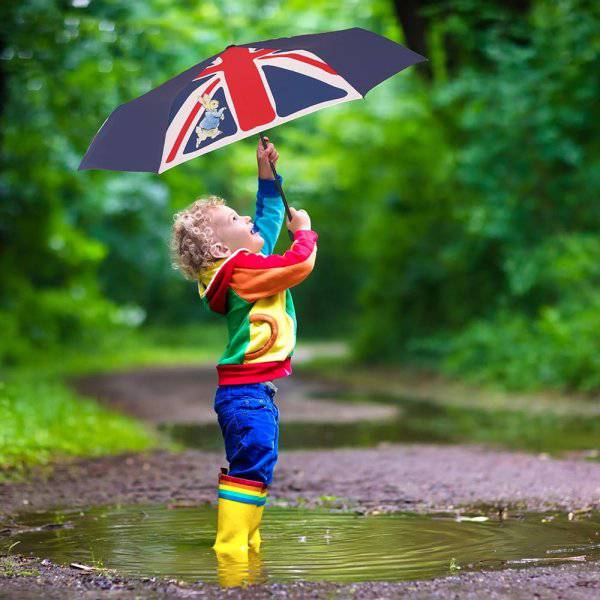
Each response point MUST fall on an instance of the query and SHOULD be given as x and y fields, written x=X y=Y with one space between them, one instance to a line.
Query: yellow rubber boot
x=233 y=525
x=237 y=520
x=254 y=538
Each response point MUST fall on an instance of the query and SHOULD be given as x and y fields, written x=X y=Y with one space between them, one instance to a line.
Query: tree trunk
x=415 y=25
x=415 y=29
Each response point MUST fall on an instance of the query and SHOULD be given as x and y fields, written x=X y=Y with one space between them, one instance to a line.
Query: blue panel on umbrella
x=293 y=91
x=210 y=128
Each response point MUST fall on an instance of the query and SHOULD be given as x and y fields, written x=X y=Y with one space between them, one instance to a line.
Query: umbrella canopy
x=240 y=92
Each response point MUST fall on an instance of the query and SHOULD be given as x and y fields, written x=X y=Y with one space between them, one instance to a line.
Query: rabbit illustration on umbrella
x=209 y=126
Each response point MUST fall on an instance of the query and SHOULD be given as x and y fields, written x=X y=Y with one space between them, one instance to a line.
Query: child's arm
x=269 y=207
x=255 y=276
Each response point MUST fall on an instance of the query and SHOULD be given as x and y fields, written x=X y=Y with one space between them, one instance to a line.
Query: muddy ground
x=420 y=478
x=44 y=580
x=414 y=477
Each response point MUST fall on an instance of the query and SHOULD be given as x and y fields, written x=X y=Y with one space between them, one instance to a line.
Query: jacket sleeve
x=255 y=276
x=269 y=214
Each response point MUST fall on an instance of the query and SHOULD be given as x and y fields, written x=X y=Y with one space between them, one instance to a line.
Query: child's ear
x=219 y=250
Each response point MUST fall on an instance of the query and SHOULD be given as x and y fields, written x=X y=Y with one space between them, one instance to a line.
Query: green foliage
x=499 y=274
x=558 y=345
x=50 y=294
x=43 y=419
x=531 y=158
x=458 y=217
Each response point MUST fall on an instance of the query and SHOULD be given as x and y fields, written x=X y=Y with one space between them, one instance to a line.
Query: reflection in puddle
x=420 y=421
x=297 y=436
x=304 y=545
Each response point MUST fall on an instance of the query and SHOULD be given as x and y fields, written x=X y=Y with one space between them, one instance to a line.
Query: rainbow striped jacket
x=253 y=292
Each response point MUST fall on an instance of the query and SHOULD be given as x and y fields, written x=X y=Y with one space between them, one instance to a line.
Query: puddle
x=305 y=545
x=299 y=435
x=420 y=421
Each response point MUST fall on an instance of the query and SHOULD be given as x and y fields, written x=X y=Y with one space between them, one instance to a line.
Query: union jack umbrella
x=240 y=92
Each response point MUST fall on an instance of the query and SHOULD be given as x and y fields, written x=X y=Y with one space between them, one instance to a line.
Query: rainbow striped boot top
x=241 y=504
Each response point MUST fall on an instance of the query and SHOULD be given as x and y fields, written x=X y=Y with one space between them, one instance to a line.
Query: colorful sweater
x=252 y=291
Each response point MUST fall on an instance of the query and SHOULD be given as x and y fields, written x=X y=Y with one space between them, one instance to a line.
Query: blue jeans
x=249 y=420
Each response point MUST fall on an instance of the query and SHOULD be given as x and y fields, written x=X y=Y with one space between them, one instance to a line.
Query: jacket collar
x=213 y=282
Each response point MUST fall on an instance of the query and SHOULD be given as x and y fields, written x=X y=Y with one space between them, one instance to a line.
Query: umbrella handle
x=279 y=188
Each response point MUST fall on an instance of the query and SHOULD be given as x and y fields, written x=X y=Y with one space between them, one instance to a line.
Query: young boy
x=239 y=277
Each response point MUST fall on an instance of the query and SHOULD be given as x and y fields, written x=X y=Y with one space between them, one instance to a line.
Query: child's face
x=233 y=231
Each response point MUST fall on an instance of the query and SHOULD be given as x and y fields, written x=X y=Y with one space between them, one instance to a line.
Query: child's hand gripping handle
x=279 y=189
x=299 y=221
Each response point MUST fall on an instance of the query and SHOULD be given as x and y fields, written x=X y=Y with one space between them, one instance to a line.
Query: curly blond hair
x=193 y=237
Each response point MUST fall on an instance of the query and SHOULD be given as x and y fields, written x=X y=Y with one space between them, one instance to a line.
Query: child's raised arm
x=269 y=206
x=255 y=276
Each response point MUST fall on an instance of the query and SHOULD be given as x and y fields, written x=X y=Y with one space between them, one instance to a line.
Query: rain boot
x=254 y=538
x=239 y=500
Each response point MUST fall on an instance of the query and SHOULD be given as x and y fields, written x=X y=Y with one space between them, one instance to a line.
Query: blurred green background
x=457 y=205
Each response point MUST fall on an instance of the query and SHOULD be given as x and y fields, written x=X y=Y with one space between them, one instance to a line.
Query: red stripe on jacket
x=231 y=374
x=255 y=276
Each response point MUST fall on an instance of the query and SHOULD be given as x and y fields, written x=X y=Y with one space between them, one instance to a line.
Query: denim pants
x=249 y=421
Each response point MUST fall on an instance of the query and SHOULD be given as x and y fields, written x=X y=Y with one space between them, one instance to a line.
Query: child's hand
x=263 y=156
x=300 y=220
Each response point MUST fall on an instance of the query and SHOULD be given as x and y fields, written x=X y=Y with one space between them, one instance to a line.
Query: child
x=239 y=277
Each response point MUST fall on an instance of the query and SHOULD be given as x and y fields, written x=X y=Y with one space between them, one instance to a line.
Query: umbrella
x=241 y=92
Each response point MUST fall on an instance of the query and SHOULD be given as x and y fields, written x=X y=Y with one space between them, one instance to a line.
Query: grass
x=43 y=419
x=10 y=567
x=130 y=349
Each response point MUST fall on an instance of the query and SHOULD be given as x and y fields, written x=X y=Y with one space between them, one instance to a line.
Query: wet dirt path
x=419 y=478
x=564 y=582
x=186 y=395
x=416 y=477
